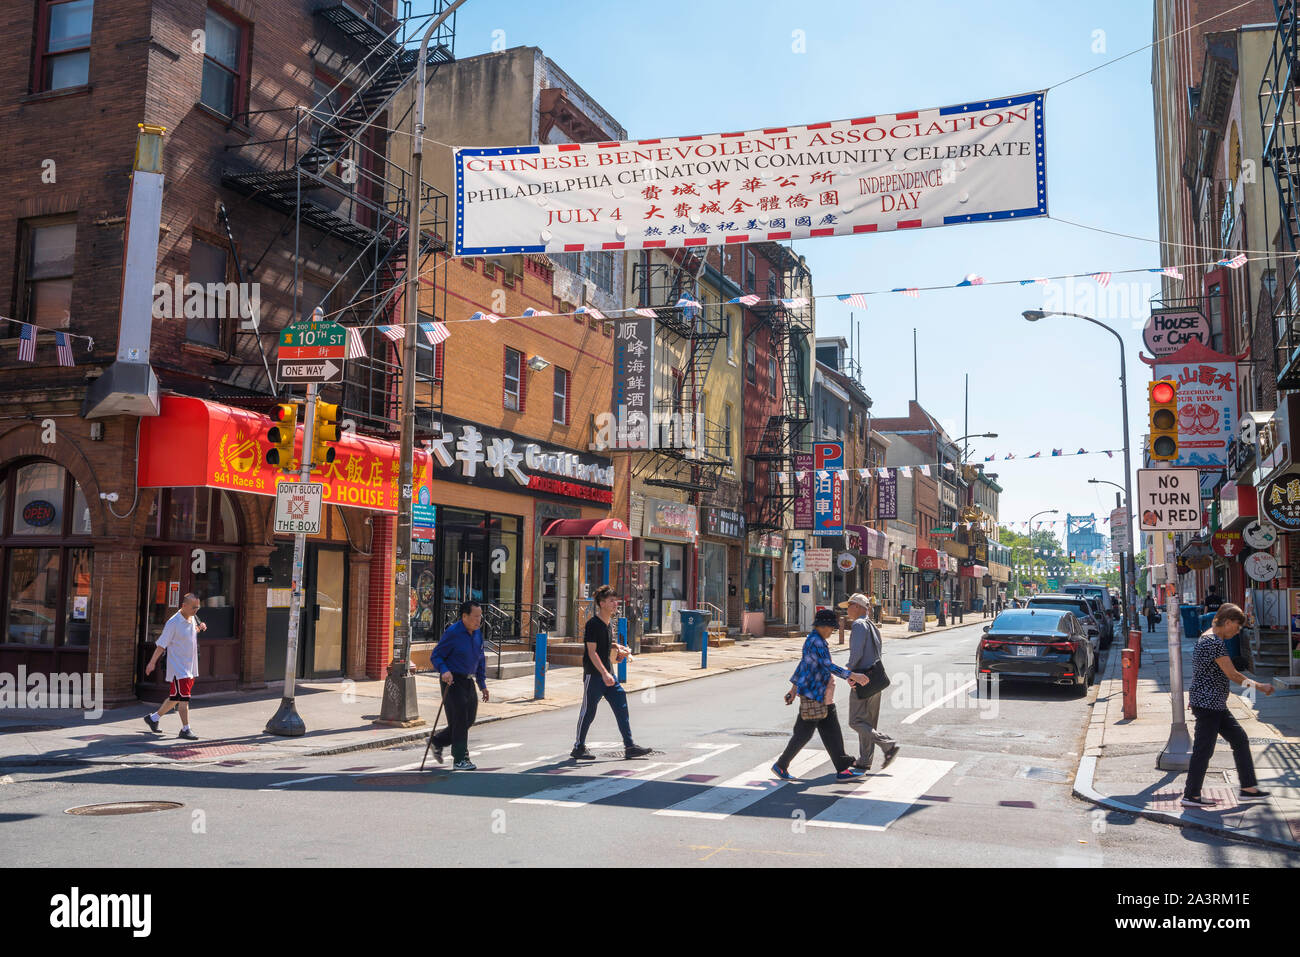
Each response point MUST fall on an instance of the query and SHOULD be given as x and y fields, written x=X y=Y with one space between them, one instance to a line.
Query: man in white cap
x=865 y=649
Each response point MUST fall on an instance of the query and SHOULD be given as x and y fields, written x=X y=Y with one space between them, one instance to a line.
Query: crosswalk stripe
x=884 y=796
x=581 y=793
x=738 y=793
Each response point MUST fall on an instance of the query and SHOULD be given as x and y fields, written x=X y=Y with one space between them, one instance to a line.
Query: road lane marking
x=916 y=715
x=885 y=796
x=285 y=784
x=736 y=794
x=582 y=793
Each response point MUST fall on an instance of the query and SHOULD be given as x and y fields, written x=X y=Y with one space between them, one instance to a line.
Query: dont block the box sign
x=1169 y=500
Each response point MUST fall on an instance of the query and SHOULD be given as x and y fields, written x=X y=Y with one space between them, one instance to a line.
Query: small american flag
x=1056 y=452
x=913 y=292
x=1170 y=271
x=530 y=312
x=925 y=470
x=435 y=332
x=1081 y=452
x=590 y=311
x=1110 y=454
x=858 y=299
x=489 y=316
x=1103 y=278
x=797 y=303
x=744 y=300
x=1236 y=262
x=27 y=343
x=393 y=332
x=646 y=313
x=1010 y=455
x=65 y=349
x=972 y=280
x=356 y=347
x=989 y=458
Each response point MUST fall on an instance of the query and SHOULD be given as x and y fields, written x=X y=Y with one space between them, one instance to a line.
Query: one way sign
x=294 y=371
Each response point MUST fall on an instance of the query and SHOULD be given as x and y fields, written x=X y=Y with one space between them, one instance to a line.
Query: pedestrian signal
x=281 y=435
x=1162 y=402
x=325 y=429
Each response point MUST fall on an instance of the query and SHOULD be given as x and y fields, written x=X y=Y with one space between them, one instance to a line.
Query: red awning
x=611 y=528
x=927 y=559
x=973 y=571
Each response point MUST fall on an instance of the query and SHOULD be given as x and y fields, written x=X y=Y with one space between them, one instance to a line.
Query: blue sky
x=677 y=68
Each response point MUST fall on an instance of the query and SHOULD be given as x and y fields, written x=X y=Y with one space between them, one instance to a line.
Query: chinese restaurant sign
x=197 y=443
x=970 y=163
x=634 y=376
x=1207 y=404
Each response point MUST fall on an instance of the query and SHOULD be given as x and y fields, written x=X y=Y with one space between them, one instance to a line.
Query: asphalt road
x=977 y=783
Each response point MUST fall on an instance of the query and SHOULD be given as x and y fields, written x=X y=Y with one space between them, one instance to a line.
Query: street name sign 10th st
x=311 y=352
x=1169 y=500
x=297 y=507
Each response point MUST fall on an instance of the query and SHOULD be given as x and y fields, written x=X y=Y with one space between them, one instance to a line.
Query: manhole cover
x=28 y=728
x=1000 y=734
x=122 y=807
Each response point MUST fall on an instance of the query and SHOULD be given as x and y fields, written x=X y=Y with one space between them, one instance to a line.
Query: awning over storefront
x=192 y=442
x=610 y=528
x=871 y=543
x=973 y=571
x=927 y=559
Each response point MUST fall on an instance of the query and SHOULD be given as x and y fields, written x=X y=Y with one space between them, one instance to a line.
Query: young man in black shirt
x=599 y=682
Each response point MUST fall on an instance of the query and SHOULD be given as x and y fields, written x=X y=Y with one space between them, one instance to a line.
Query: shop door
x=551 y=579
x=597 y=569
x=464 y=570
x=653 y=552
x=164 y=584
x=322 y=622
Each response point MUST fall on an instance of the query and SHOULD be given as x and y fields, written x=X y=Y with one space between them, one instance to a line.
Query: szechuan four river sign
x=311 y=352
x=970 y=163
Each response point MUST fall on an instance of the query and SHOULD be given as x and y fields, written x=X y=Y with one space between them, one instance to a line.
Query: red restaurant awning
x=927 y=559
x=611 y=528
x=192 y=442
x=974 y=571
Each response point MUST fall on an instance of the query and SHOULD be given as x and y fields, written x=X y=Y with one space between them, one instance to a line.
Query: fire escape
x=327 y=168
x=782 y=435
x=1280 y=124
x=686 y=447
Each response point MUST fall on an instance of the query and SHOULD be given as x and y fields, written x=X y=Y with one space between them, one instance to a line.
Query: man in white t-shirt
x=180 y=639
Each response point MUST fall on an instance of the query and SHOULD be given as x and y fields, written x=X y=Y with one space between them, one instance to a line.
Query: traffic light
x=281 y=435
x=325 y=429
x=1162 y=401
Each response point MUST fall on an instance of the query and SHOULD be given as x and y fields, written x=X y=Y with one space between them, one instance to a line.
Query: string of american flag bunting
x=436 y=332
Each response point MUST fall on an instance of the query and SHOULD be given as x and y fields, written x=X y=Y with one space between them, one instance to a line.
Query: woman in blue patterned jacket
x=814 y=684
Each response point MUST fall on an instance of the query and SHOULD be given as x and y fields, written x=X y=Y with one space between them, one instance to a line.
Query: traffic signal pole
x=286 y=721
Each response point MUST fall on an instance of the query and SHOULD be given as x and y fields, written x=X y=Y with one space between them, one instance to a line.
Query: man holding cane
x=459 y=658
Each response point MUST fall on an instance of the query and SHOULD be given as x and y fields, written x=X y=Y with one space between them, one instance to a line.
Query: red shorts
x=181 y=689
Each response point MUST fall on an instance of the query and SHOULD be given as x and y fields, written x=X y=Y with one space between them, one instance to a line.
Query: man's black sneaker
x=153 y=725
x=889 y=757
x=465 y=764
x=1197 y=802
x=1259 y=794
x=188 y=735
x=636 y=751
x=582 y=754
x=437 y=753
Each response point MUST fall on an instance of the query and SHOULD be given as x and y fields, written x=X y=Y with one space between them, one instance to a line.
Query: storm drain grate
x=122 y=807
x=1043 y=774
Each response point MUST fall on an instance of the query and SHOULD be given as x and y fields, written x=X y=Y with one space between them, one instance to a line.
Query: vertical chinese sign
x=828 y=495
x=1207 y=403
x=634 y=350
x=887 y=494
x=804 y=479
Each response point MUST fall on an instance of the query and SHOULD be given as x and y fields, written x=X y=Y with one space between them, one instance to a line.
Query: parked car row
x=1043 y=642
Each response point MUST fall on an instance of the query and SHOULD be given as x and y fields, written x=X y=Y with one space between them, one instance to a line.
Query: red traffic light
x=1162 y=392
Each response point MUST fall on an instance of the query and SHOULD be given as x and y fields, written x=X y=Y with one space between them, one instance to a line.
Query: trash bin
x=1191 y=620
x=977 y=604
x=695 y=627
x=958 y=609
x=1233 y=645
x=1206 y=620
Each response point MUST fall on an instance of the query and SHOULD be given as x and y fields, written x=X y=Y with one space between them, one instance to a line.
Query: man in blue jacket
x=458 y=656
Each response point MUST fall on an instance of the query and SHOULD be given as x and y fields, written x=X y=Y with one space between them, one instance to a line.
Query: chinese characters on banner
x=634 y=352
x=1207 y=403
x=975 y=162
x=887 y=495
x=828 y=491
x=803 y=502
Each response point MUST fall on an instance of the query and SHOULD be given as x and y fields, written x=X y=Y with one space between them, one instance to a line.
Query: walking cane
x=432 y=731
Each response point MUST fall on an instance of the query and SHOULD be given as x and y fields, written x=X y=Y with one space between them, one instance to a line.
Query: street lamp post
x=1033 y=315
x=399 y=702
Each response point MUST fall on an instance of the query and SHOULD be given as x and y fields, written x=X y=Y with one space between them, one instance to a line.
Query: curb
x=1084 y=790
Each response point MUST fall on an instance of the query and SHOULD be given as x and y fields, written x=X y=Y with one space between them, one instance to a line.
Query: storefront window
x=201 y=514
x=713 y=574
x=38 y=500
x=33 y=596
x=76 y=628
x=216 y=590
x=758 y=585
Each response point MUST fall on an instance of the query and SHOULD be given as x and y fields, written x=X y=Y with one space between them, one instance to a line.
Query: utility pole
x=400 y=705
x=286 y=721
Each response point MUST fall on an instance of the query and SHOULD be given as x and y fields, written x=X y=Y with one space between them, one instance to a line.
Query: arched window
x=45 y=557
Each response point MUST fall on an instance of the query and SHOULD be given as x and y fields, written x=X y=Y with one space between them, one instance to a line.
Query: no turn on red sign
x=1169 y=500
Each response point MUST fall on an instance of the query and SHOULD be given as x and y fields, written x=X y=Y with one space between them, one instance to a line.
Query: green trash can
x=695 y=627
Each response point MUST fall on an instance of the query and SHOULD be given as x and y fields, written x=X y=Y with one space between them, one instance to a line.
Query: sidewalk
x=1118 y=769
x=339 y=713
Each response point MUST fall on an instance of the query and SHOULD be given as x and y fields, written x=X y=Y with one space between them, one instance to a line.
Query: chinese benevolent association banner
x=974 y=162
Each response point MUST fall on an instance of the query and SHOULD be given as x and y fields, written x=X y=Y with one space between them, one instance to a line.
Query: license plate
x=1027 y=651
